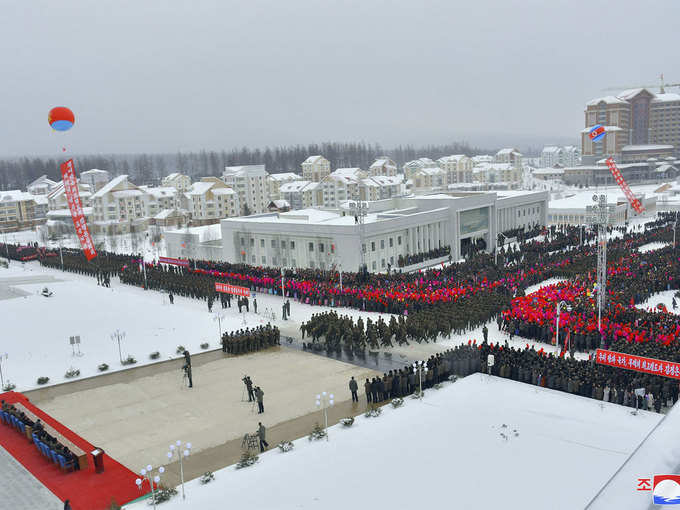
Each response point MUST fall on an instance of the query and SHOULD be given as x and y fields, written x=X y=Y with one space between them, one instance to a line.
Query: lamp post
x=177 y=447
x=3 y=357
x=146 y=475
x=218 y=316
x=420 y=366
x=359 y=209
x=324 y=401
x=117 y=336
x=557 y=326
x=340 y=266
x=283 y=281
x=495 y=252
x=675 y=227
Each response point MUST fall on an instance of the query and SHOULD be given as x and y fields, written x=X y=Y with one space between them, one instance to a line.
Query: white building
x=572 y=208
x=250 y=182
x=411 y=167
x=315 y=168
x=299 y=194
x=399 y=226
x=382 y=166
x=276 y=180
x=161 y=199
x=41 y=186
x=548 y=174
x=552 y=155
x=178 y=181
x=95 y=178
x=458 y=168
x=120 y=206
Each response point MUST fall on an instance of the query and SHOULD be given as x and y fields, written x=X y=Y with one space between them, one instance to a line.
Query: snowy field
x=665 y=297
x=545 y=283
x=36 y=329
x=489 y=443
x=652 y=246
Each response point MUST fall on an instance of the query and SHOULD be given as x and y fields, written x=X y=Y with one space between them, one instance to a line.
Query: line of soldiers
x=251 y=340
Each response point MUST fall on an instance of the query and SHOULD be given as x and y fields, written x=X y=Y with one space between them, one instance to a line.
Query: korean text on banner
x=638 y=363
x=76 y=207
x=174 y=262
x=232 y=289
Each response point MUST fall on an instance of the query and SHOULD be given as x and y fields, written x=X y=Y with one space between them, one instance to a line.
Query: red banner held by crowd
x=232 y=289
x=616 y=173
x=173 y=262
x=68 y=175
x=638 y=363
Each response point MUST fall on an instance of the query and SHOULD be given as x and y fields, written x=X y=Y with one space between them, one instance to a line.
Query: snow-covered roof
x=665 y=168
x=15 y=195
x=95 y=171
x=431 y=171
x=349 y=172
x=454 y=158
x=551 y=149
x=607 y=100
x=663 y=98
x=281 y=204
x=385 y=180
x=160 y=192
x=508 y=150
x=199 y=188
x=313 y=159
x=637 y=148
x=166 y=213
x=292 y=187
x=43 y=179
x=59 y=213
x=383 y=162
x=284 y=176
x=110 y=185
x=548 y=171
x=126 y=193
x=246 y=170
x=223 y=191
x=171 y=176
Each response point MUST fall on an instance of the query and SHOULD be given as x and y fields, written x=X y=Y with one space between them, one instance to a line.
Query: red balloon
x=61 y=118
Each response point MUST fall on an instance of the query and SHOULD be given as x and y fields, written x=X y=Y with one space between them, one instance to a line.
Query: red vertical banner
x=616 y=173
x=68 y=175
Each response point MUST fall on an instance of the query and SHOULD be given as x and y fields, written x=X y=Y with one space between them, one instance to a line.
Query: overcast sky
x=169 y=75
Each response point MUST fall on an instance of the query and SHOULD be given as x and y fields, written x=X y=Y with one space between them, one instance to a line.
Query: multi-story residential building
x=429 y=178
x=176 y=180
x=56 y=199
x=551 y=156
x=19 y=210
x=276 y=180
x=41 y=186
x=458 y=168
x=509 y=156
x=381 y=187
x=299 y=194
x=315 y=168
x=120 y=207
x=341 y=185
x=633 y=117
x=161 y=199
x=95 y=178
x=570 y=156
x=250 y=182
x=210 y=200
x=411 y=167
x=382 y=166
x=493 y=173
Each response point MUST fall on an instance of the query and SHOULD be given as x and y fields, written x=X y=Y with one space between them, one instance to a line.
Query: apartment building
x=382 y=166
x=96 y=179
x=41 y=186
x=19 y=210
x=210 y=200
x=458 y=168
x=176 y=180
x=315 y=168
x=250 y=183
x=510 y=156
x=276 y=180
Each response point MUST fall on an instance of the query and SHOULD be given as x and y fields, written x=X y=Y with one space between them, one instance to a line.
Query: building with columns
x=322 y=239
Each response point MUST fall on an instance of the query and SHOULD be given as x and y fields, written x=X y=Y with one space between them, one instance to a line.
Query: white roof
x=551 y=148
x=281 y=204
x=548 y=171
x=110 y=185
x=43 y=179
x=385 y=180
x=94 y=171
x=608 y=100
x=15 y=195
x=127 y=193
x=284 y=176
x=454 y=158
x=647 y=148
x=160 y=191
x=350 y=172
x=668 y=96
x=67 y=212
x=383 y=162
x=292 y=187
x=223 y=191
x=171 y=176
x=508 y=150
x=199 y=188
x=246 y=170
x=313 y=159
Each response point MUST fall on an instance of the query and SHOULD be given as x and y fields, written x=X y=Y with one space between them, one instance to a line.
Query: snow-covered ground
x=656 y=245
x=665 y=297
x=550 y=281
x=488 y=443
x=36 y=329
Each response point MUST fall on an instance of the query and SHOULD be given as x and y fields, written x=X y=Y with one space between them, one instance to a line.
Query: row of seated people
x=46 y=443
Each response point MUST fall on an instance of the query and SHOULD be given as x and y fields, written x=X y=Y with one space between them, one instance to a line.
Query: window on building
x=372 y=245
x=283 y=246
x=261 y=243
x=264 y=260
x=374 y=266
x=275 y=261
x=285 y=262
x=292 y=246
x=252 y=258
x=311 y=264
x=382 y=244
x=382 y=263
x=252 y=242
x=273 y=243
x=391 y=242
x=321 y=248
x=399 y=240
x=293 y=263
x=311 y=247
x=392 y=260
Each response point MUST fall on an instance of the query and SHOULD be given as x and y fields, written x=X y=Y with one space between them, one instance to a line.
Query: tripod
x=185 y=379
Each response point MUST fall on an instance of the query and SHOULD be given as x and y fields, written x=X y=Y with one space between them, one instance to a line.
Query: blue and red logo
x=666 y=490
x=596 y=133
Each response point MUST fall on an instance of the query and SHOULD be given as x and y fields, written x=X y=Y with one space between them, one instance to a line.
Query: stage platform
x=85 y=489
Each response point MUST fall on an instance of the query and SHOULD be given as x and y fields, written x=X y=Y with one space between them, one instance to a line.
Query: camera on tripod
x=185 y=367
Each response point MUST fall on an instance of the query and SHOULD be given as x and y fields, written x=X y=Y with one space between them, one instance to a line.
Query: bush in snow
x=347 y=422
x=373 y=412
x=453 y=378
x=71 y=373
x=207 y=477
x=163 y=494
x=247 y=459
x=205 y=345
x=129 y=360
x=285 y=446
x=438 y=386
x=9 y=386
x=155 y=355
x=317 y=432
x=103 y=367
x=43 y=380
x=397 y=402
x=180 y=349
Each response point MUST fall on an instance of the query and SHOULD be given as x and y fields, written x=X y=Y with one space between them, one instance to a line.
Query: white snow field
x=656 y=245
x=665 y=297
x=446 y=451
x=36 y=329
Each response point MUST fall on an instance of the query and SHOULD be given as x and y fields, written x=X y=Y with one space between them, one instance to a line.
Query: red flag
x=68 y=176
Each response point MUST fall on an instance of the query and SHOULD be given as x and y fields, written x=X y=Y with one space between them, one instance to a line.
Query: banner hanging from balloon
x=68 y=175
x=616 y=173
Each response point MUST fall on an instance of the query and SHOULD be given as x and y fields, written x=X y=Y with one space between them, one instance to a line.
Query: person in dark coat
x=187 y=364
x=171 y=298
x=67 y=505
x=259 y=394
x=353 y=387
x=261 y=432
x=367 y=388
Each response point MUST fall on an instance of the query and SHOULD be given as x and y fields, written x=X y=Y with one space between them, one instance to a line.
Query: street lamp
x=495 y=252
x=324 y=401
x=557 y=328
x=218 y=316
x=117 y=336
x=3 y=357
x=675 y=227
x=177 y=447
x=421 y=367
x=146 y=476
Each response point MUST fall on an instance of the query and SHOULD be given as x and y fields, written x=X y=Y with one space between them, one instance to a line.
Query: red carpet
x=85 y=489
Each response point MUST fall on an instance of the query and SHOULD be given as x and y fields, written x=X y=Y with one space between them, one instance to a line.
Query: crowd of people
x=250 y=340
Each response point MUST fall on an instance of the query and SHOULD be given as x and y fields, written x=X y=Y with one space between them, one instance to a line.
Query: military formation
x=251 y=340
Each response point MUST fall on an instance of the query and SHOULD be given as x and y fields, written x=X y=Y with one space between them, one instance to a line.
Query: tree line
x=149 y=169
